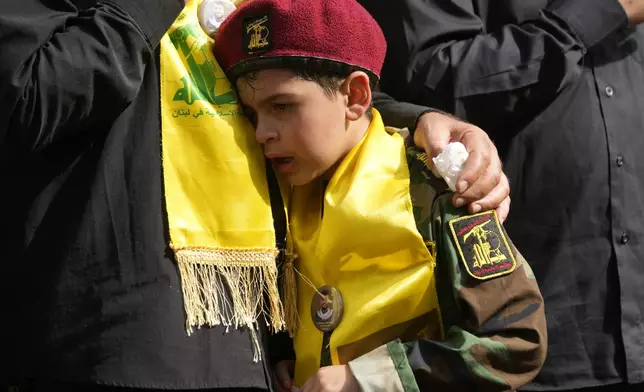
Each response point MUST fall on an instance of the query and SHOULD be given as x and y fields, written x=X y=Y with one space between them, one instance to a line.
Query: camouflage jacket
x=492 y=312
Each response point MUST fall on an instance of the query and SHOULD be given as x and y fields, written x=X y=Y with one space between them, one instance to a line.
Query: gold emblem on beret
x=257 y=34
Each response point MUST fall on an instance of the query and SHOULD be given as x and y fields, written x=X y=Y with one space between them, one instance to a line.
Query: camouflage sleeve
x=492 y=315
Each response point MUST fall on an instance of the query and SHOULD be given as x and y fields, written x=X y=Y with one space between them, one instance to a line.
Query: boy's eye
x=283 y=106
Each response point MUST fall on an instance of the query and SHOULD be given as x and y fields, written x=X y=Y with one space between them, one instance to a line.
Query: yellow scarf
x=217 y=200
x=366 y=245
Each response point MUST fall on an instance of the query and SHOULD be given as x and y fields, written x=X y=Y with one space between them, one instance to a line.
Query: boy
x=390 y=297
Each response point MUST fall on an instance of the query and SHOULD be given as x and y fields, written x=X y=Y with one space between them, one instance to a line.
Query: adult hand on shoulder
x=482 y=184
x=634 y=10
x=332 y=379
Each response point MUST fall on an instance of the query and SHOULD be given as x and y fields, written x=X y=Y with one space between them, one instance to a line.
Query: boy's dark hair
x=329 y=75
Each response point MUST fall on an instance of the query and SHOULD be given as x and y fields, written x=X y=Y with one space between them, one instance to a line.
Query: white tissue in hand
x=449 y=163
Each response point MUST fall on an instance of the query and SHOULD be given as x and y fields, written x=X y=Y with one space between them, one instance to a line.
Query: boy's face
x=303 y=130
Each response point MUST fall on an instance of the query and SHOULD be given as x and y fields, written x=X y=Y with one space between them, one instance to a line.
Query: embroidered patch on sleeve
x=482 y=245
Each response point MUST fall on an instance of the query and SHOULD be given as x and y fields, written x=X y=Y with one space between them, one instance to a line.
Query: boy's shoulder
x=422 y=177
x=424 y=188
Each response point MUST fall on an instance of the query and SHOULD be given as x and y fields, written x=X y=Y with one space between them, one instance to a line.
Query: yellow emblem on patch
x=483 y=245
x=257 y=35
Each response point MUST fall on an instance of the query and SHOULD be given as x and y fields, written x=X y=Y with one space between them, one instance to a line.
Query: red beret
x=263 y=34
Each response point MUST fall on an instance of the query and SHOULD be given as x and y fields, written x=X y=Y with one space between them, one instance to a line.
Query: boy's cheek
x=304 y=173
x=300 y=178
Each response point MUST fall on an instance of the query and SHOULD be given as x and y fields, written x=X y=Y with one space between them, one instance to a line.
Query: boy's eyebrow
x=277 y=96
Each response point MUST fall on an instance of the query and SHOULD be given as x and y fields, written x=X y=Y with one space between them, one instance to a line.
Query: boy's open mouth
x=282 y=160
x=283 y=164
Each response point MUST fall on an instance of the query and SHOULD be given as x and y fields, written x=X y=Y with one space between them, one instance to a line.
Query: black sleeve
x=398 y=114
x=440 y=54
x=65 y=68
x=280 y=348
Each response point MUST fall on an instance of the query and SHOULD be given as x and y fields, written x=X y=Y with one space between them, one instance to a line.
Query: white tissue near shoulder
x=449 y=163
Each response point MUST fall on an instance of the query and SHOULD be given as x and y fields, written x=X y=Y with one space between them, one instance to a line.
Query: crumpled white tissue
x=449 y=163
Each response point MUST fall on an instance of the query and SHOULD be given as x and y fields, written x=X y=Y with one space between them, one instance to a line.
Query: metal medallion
x=212 y=14
x=327 y=308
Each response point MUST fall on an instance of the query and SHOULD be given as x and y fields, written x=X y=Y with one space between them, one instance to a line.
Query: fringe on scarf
x=230 y=287
x=289 y=294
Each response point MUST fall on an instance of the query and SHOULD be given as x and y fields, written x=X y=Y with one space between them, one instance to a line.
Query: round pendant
x=327 y=309
x=212 y=13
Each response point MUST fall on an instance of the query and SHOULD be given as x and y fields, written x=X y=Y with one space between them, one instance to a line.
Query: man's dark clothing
x=622 y=387
x=558 y=86
x=55 y=386
x=91 y=294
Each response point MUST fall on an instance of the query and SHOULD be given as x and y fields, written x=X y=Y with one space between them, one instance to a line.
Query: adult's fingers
x=497 y=199
x=503 y=210
x=433 y=132
x=482 y=153
x=487 y=182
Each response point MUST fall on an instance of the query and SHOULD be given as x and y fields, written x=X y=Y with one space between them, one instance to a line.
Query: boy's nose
x=263 y=133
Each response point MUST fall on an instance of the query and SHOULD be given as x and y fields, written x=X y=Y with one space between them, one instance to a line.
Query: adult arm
x=66 y=67
x=442 y=56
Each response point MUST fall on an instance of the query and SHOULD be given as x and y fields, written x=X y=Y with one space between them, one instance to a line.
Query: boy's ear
x=356 y=89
